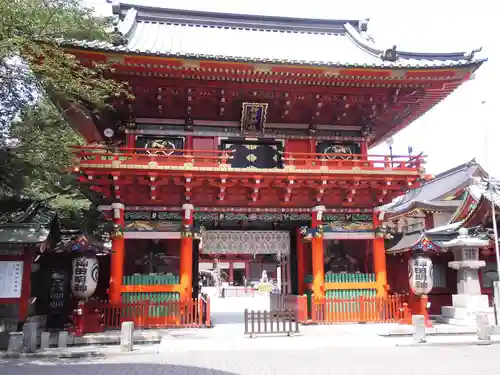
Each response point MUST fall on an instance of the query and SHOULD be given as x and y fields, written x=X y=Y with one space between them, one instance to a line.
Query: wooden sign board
x=11 y=279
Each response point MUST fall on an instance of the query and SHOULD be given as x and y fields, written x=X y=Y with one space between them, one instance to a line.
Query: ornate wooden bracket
x=288 y=191
x=116 y=186
x=188 y=193
x=255 y=190
x=153 y=180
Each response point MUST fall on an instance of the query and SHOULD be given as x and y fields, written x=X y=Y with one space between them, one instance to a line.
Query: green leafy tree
x=35 y=71
x=32 y=62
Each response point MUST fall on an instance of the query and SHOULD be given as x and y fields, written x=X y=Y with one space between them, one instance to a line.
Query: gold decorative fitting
x=251 y=158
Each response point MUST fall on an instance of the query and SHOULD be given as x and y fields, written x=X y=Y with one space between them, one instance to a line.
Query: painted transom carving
x=245 y=242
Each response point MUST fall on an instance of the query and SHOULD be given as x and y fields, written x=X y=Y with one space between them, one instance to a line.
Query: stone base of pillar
x=465 y=309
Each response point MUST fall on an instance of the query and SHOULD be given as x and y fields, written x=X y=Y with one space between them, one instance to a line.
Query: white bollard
x=29 y=337
x=496 y=301
x=419 y=331
x=62 y=339
x=127 y=337
x=45 y=340
x=15 y=342
x=483 y=327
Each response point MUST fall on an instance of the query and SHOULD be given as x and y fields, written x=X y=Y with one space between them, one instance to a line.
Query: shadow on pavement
x=58 y=367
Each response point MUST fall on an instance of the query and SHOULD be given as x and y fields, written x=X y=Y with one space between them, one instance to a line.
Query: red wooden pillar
x=300 y=264
x=231 y=271
x=379 y=261
x=364 y=149
x=117 y=255
x=429 y=220
x=247 y=271
x=189 y=143
x=131 y=140
x=186 y=266
x=318 y=266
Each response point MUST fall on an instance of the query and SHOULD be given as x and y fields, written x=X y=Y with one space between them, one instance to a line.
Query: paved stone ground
x=230 y=310
x=353 y=361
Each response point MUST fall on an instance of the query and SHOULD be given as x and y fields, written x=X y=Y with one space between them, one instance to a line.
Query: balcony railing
x=99 y=157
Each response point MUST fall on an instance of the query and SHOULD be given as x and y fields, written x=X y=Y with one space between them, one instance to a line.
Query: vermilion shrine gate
x=248 y=137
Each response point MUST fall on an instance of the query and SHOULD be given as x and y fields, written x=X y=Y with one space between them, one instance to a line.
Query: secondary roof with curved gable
x=434 y=194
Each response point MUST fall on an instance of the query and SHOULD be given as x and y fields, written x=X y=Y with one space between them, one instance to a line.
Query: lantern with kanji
x=85 y=276
x=420 y=274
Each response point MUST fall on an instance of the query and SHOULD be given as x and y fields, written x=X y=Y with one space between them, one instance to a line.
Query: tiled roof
x=25 y=221
x=25 y=212
x=441 y=186
x=405 y=243
x=261 y=39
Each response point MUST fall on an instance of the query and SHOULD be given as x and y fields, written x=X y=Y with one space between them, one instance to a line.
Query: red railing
x=190 y=313
x=290 y=302
x=363 y=309
x=365 y=162
x=137 y=158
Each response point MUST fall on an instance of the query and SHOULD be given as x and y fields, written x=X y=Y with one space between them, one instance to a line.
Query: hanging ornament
x=117 y=231
x=187 y=231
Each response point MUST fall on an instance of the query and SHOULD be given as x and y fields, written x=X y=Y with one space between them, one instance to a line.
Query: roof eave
x=236 y=59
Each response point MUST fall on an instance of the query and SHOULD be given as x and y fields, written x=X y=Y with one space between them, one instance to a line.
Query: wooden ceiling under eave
x=173 y=89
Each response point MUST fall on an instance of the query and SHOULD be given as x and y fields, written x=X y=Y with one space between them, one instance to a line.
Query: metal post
x=496 y=297
x=495 y=229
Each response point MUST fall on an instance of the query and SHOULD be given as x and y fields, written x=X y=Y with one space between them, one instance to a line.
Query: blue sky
x=457 y=129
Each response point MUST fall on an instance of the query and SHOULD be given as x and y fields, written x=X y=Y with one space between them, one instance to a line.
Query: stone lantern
x=468 y=301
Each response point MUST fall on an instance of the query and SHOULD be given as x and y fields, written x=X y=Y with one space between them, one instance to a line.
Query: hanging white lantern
x=420 y=274
x=85 y=276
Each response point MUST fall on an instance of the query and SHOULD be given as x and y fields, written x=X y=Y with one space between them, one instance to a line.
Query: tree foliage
x=34 y=68
x=32 y=62
x=38 y=164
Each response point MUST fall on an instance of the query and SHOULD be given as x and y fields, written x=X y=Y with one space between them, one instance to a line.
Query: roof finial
x=470 y=55
x=363 y=25
x=115 y=7
x=390 y=54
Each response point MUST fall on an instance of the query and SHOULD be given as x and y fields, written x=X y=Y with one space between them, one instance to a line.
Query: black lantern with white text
x=420 y=274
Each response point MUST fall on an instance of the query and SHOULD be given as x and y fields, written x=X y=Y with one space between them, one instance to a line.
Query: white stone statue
x=264 y=278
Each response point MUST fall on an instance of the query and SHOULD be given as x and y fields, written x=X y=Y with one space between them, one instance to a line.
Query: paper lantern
x=85 y=276
x=420 y=275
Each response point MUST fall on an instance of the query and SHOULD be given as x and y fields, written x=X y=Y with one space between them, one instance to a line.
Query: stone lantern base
x=469 y=301
x=464 y=310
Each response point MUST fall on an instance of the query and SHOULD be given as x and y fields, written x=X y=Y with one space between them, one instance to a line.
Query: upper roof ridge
x=234 y=20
